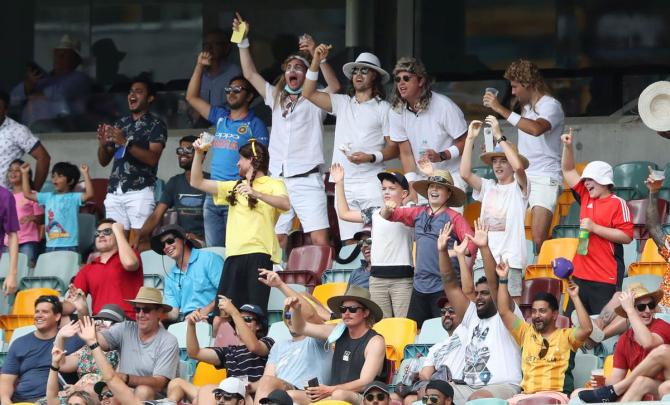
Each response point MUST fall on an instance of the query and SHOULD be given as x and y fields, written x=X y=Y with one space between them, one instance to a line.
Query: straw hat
x=639 y=291
x=442 y=178
x=498 y=152
x=358 y=294
x=369 y=60
x=653 y=106
x=148 y=295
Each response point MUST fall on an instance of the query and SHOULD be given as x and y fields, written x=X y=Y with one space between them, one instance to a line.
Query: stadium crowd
x=105 y=339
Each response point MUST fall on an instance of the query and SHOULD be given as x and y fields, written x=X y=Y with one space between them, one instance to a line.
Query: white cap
x=601 y=172
x=233 y=385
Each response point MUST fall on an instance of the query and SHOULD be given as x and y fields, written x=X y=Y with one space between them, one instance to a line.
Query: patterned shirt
x=15 y=141
x=127 y=172
x=664 y=251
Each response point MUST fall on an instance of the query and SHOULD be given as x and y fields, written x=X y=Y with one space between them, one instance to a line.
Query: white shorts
x=360 y=194
x=458 y=182
x=514 y=280
x=543 y=192
x=308 y=201
x=131 y=208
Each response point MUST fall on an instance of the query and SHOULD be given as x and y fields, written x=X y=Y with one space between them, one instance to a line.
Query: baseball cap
x=278 y=397
x=256 y=310
x=601 y=172
x=442 y=386
x=394 y=177
x=232 y=385
x=376 y=384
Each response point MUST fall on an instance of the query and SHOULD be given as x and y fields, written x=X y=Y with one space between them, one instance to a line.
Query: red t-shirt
x=600 y=262
x=110 y=283
x=628 y=353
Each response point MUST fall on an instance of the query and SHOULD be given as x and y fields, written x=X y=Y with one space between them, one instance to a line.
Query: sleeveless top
x=349 y=357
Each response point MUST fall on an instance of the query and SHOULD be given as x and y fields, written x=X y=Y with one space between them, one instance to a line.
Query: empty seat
x=345 y=252
x=219 y=250
x=314 y=258
x=24 y=304
x=53 y=270
x=203 y=331
x=325 y=291
x=306 y=278
x=565 y=231
x=155 y=267
x=336 y=276
x=638 y=213
x=276 y=302
x=584 y=363
x=551 y=249
x=432 y=332
x=397 y=332
x=207 y=374
x=572 y=218
x=651 y=262
x=629 y=179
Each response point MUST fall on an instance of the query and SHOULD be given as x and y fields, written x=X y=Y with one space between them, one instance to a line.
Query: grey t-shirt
x=159 y=356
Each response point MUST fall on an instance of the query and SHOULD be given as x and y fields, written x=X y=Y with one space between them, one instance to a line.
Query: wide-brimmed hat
x=369 y=60
x=394 y=177
x=358 y=294
x=441 y=178
x=149 y=295
x=639 y=291
x=111 y=312
x=176 y=230
x=653 y=106
x=67 y=42
x=600 y=172
x=498 y=152
x=106 y=48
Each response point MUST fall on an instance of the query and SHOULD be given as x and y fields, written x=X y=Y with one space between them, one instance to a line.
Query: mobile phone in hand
x=314 y=382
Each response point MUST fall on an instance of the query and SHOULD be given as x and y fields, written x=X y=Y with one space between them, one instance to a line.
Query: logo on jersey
x=243 y=129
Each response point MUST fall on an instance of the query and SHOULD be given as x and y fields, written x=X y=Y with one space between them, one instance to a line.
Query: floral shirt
x=127 y=172
x=664 y=251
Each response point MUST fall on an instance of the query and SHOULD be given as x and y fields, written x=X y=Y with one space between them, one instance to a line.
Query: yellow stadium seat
x=650 y=253
x=25 y=300
x=397 y=332
x=551 y=249
x=650 y=262
x=608 y=365
x=324 y=291
x=206 y=374
x=471 y=212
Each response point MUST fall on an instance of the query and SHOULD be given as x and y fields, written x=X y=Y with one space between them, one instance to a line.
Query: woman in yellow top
x=255 y=201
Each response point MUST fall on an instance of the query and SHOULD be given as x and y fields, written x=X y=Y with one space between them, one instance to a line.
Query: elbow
x=627 y=239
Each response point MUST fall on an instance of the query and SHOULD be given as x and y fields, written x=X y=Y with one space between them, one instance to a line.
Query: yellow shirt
x=252 y=230
x=553 y=371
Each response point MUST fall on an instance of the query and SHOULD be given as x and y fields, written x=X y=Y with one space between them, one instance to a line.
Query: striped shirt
x=239 y=361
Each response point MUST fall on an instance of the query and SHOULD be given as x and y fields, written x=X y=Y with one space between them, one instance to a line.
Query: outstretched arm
x=244 y=332
x=248 y=67
x=465 y=168
x=570 y=174
x=197 y=179
x=510 y=153
x=653 y=222
x=535 y=127
x=449 y=279
x=585 y=323
x=504 y=300
x=300 y=326
x=193 y=89
x=25 y=183
x=343 y=210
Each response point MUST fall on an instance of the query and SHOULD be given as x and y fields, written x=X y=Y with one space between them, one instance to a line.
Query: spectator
x=231 y=391
x=361 y=131
x=30 y=215
x=149 y=355
x=492 y=358
x=17 y=140
x=26 y=368
x=277 y=397
x=108 y=63
x=504 y=201
x=247 y=359
x=392 y=265
x=118 y=265
x=218 y=73
x=376 y=393
x=61 y=206
x=645 y=334
x=608 y=220
x=547 y=352
x=135 y=143
x=255 y=203
x=361 y=276
x=360 y=352
x=540 y=127
x=235 y=126
x=425 y=123
x=179 y=195
x=9 y=225
x=190 y=285
x=653 y=225
x=296 y=140
x=63 y=91
x=427 y=221
x=438 y=392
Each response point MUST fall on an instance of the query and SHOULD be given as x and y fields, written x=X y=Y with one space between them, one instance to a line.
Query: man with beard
x=492 y=358
x=187 y=201
x=235 y=125
x=135 y=143
x=547 y=352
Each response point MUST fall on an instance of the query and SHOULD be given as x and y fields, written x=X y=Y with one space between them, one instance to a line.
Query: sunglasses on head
x=185 y=151
x=380 y=396
x=360 y=70
x=220 y=394
x=248 y=319
x=146 y=310
x=449 y=311
x=103 y=232
x=352 y=308
x=430 y=399
x=168 y=241
x=105 y=395
x=642 y=307
x=404 y=78
x=235 y=89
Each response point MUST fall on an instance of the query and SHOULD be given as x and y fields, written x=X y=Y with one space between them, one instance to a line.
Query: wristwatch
x=502 y=139
x=443 y=155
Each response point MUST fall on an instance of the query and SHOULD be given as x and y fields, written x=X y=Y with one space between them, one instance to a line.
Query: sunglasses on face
x=103 y=232
x=366 y=242
x=449 y=311
x=642 y=307
x=105 y=395
x=236 y=89
x=380 y=396
x=430 y=399
x=248 y=319
x=404 y=78
x=219 y=395
x=185 y=151
x=146 y=310
x=360 y=70
x=168 y=241
x=352 y=309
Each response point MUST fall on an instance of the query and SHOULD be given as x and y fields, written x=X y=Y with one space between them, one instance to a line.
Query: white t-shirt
x=296 y=141
x=449 y=352
x=362 y=126
x=544 y=151
x=504 y=210
x=392 y=240
x=491 y=356
x=434 y=128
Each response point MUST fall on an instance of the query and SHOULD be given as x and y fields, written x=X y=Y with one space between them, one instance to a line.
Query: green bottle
x=583 y=245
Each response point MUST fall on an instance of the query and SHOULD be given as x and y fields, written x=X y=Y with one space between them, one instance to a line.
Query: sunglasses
x=146 y=310
x=236 y=89
x=430 y=399
x=219 y=394
x=404 y=78
x=185 y=151
x=380 y=396
x=248 y=319
x=366 y=242
x=103 y=232
x=449 y=311
x=642 y=307
x=360 y=70
x=105 y=395
x=352 y=309
x=168 y=241
x=545 y=348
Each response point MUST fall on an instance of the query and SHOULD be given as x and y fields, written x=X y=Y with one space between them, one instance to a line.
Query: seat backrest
x=608 y=365
x=62 y=264
x=276 y=300
x=529 y=288
x=553 y=248
x=314 y=258
x=219 y=250
x=99 y=194
x=632 y=174
x=86 y=226
x=345 y=252
x=487 y=401
x=278 y=331
x=638 y=210
x=573 y=215
x=24 y=304
x=397 y=332
x=629 y=253
x=153 y=263
x=432 y=332
x=22 y=331
x=325 y=291
x=584 y=363
x=203 y=331
x=650 y=253
x=472 y=211
x=21 y=267
x=207 y=374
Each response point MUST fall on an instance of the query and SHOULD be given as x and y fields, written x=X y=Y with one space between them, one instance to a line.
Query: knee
x=339 y=395
x=480 y=393
x=144 y=392
x=643 y=382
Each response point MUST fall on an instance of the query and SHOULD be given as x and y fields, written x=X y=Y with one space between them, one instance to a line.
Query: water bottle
x=423 y=148
x=583 y=245
x=488 y=139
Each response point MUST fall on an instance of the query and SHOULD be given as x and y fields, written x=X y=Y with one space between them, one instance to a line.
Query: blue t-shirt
x=60 y=218
x=196 y=287
x=361 y=276
x=427 y=279
x=29 y=358
x=298 y=362
x=230 y=136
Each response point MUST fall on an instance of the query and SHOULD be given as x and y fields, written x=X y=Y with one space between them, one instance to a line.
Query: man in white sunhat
x=654 y=108
x=361 y=132
x=425 y=123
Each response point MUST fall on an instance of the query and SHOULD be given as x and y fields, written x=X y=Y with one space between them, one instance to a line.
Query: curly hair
x=83 y=395
x=528 y=74
x=280 y=93
x=415 y=66
x=260 y=161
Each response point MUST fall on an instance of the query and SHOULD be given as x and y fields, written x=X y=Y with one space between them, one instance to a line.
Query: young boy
x=607 y=219
x=391 y=253
x=62 y=206
x=427 y=221
x=504 y=201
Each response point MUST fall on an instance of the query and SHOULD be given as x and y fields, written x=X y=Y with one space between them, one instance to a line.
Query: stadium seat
x=314 y=258
x=638 y=212
x=416 y=350
x=572 y=217
x=650 y=262
x=529 y=288
x=276 y=302
x=206 y=374
x=565 y=231
x=343 y=254
x=551 y=249
x=336 y=276
x=663 y=316
x=306 y=278
x=21 y=267
x=99 y=195
x=397 y=332
x=608 y=365
x=219 y=250
x=472 y=211
x=225 y=336
x=279 y=331
x=155 y=268
x=530 y=252
x=402 y=370
x=25 y=300
x=629 y=179
x=650 y=281
x=432 y=332
x=203 y=331
x=539 y=400
x=18 y=332
x=86 y=225
x=584 y=363
x=487 y=401
x=325 y=291
x=53 y=270
x=630 y=253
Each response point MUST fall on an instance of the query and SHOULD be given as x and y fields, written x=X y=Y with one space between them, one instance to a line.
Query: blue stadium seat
x=278 y=331
x=155 y=268
x=52 y=270
x=219 y=250
x=432 y=332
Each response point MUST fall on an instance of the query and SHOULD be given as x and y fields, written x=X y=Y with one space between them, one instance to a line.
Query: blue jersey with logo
x=230 y=136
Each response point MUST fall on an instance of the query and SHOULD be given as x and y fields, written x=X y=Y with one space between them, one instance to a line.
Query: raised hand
x=359 y=157
x=194 y=317
x=25 y=168
x=236 y=24
x=246 y=190
x=204 y=58
x=84 y=168
x=87 y=330
x=69 y=330
x=292 y=302
x=226 y=305
x=627 y=299
x=118 y=227
x=269 y=278
x=57 y=357
x=474 y=128
x=573 y=289
x=461 y=249
x=567 y=138
x=321 y=52
x=307 y=44
x=495 y=125
x=502 y=268
x=481 y=236
x=653 y=183
x=443 y=239
x=425 y=166
x=336 y=173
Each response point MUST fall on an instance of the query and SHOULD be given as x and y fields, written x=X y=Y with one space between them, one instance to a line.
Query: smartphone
x=314 y=382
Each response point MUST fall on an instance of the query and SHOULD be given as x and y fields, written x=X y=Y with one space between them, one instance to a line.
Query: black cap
x=394 y=177
x=278 y=397
x=173 y=229
x=256 y=310
x=99 y=386
x=378 y=385
x=444 y=387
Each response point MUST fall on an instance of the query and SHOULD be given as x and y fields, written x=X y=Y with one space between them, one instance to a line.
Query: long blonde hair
x=415 y=66
x=280 y=93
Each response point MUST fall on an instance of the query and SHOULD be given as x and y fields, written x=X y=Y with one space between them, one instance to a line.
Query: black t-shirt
x=187 y=201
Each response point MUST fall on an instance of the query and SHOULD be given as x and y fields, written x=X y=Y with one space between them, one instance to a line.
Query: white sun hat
x=366 y=59
x=654 y=106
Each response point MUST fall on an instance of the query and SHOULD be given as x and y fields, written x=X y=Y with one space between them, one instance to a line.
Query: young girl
x=255 y=201
x=29 y=212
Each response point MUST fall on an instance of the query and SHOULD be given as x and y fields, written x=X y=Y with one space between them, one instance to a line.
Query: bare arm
x=193 y=90
x=88 y=184
x=319 y=98
x=510 y=153
x=343 y=210
x=449 y=280
x=197 y=179
x=459 y=143
x=122 y=393
x=25 y=183
x=193 y=348
x=406 y=157
x=570 y=174
x=247 y=63
x=375 y=355
x=244 y=332
x=105 y=151
x=7 y=383
x=465 y=168
x=391 y=150
x=153 y=221
x=305 y=328
x=42 y=162
x=585 y=323
x=467 y=281
x=426 y=373
x=129 y=259
x=611 y=234
x=278 y=201
x=532 y=127
x=504 y=300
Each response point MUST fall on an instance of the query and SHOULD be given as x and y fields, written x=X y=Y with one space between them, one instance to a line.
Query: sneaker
x=602 y=394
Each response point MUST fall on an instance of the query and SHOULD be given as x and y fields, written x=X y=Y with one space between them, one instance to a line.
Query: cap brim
x=488 y=157
x=457 y=198
x=654 y=119
x=348 y=67
x=334 y=304
x=165 y=307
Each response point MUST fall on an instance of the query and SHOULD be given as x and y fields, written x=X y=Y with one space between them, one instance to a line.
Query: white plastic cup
x=206 y=140
x=488 y=139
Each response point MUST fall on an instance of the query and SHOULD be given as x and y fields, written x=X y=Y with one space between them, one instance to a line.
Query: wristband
x=502 y=281
x=514 y=118
x=243 y=43
x=312 y=75
x=56 y=369
x=324 y=60
x=454 y=151
x=411 y=176
x=93 y=346
x=377 y=157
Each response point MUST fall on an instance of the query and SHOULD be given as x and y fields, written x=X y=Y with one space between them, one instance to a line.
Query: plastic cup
x=206 y=140
x=657 y=175
x=491 y=90
x=597 y=378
